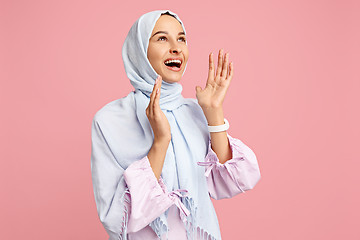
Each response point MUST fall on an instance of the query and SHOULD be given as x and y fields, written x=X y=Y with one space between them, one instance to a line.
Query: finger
x=156 y=105
x=231 y=71
x=211 y=69
x=153 y=94
x=198 y=89
x=225 y=67
x=220 y=62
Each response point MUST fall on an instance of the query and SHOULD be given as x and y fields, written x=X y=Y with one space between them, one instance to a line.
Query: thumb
x=198 y=89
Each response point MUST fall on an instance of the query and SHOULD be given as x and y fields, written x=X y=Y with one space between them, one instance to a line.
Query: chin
x=171 y=80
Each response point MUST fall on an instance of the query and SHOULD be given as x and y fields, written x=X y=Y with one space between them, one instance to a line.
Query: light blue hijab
x=124 y=126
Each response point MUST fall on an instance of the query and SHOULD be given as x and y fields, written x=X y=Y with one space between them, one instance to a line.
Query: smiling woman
x=155 y=162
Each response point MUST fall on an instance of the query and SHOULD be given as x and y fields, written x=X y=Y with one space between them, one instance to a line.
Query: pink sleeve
x=237 y=175
x=149 y=197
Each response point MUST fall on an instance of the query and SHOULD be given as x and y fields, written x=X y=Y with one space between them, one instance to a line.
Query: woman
x=157 y=157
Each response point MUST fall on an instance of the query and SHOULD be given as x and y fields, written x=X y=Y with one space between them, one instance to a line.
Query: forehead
x=168 y=23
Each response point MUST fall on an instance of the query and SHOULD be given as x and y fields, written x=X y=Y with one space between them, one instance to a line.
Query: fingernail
x=157 y=91
x=156 y=81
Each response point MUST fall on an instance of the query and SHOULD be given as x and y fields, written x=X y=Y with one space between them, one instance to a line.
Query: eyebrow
x=180 y=33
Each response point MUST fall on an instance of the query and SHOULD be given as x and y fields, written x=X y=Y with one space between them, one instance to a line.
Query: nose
x=175 y=48
x=175 y=51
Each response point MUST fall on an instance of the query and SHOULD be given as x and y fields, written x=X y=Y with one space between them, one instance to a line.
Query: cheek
x=156 y=54
x=186 y=54
x=152 y=58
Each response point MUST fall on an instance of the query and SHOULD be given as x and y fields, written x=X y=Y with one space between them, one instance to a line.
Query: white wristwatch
x=219 y=128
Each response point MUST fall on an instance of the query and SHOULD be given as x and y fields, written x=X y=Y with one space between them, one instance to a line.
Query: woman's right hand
x=158 y=121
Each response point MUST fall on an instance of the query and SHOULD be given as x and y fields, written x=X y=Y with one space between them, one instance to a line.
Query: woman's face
x=168 y=42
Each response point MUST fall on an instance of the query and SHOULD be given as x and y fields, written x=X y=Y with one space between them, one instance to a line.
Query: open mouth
x=173 y=64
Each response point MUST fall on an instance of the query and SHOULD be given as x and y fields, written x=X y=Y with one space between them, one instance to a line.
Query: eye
x=161 y=38
x=183 y=39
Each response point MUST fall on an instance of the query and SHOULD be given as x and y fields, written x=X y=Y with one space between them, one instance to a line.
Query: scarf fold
x=190 y=136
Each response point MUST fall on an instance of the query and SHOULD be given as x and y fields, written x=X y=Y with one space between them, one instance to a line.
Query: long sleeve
x=127 y=200
x=108 y=184
x=149 y=197
x=237 y=175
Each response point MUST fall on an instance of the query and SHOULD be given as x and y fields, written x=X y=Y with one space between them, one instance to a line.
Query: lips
x=173 y=64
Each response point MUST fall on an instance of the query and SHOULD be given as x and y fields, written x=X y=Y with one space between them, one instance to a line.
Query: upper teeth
x=175 y=60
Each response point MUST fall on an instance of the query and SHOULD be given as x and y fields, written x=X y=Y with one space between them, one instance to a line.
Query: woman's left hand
x=212 y=96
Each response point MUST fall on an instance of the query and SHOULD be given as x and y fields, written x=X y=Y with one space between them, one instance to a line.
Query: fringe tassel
x=191 y=229
x=123 y=232
x=204 y=235
x=159 y=227
x=191 y=219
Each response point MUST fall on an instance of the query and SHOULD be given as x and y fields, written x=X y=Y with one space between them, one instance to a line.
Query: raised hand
x=211 y=99
x=158 y=121
x=213 y=95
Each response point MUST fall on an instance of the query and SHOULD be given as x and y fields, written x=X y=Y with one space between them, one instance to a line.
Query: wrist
x=161 y=142
x=219 y=129
x=214 y=116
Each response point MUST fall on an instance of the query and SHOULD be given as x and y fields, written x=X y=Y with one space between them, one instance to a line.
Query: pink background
x=293 y=100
